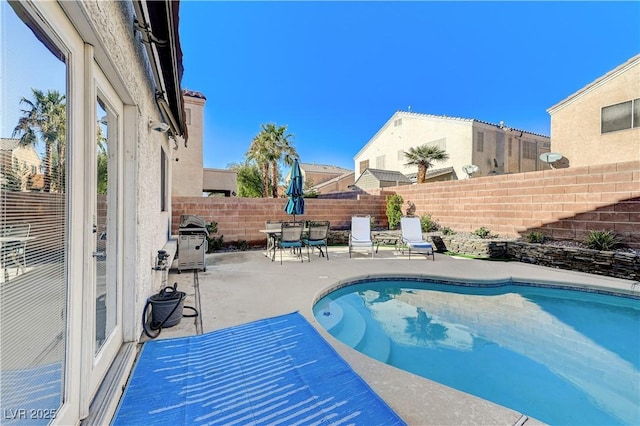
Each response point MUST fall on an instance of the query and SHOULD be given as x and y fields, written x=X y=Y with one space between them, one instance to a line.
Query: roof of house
x=596 y=83
x=385 y=175
x=431 y=173
x=322 y=168
x=8 y=144
x=194 y=94
x=332 y=180
x=397 y=114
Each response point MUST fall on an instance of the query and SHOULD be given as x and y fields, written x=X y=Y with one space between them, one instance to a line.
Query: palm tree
x=258 y=153
x=45 y=118
x=268 y=147
x=424 y=156
x=282 y=149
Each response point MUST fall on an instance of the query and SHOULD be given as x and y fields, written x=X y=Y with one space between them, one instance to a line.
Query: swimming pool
x=559 y=355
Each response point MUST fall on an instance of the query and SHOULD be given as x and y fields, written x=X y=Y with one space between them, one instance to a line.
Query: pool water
x=564 y=357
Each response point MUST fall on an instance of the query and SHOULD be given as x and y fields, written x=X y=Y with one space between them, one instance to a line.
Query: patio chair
x=291 y=238
x=360 y=235
x=16 y=250
x=317 y=237
x=412 y=237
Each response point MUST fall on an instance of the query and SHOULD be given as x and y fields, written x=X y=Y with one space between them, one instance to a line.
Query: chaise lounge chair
x=412 y=237
x=360 y=235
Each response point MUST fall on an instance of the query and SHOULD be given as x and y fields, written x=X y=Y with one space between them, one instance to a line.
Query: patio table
x=273 y=235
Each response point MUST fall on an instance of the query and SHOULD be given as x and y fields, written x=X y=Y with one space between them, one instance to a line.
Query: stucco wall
x=187 y=167
x=575 y=127
x=128 y=71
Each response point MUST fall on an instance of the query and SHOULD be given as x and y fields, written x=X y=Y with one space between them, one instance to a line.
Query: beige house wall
x=188 y=165
x=458 y=137
x=576 y=121
x=220 y=181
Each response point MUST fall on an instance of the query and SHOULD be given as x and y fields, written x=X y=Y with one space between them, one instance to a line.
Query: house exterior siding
x=466 y=141
x=576 y=121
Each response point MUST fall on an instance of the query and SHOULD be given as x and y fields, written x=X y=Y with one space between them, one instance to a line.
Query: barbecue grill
x=192 y=243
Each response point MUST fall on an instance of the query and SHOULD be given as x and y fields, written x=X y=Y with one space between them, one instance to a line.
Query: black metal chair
x=291 y=238
x=317 y=235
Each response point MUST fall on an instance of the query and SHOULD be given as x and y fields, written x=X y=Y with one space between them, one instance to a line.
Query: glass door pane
x=104 y=226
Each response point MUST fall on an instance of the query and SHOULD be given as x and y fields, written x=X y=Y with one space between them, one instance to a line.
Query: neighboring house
x=376 y=179
x=73 y=313
x=188 y=166
x=337 y=184
x=19 y=166
x=494 y=148
x=434 y=175
x=315 y=174
x=600 y=123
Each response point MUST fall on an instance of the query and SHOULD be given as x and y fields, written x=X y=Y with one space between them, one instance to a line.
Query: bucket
x=166 y=307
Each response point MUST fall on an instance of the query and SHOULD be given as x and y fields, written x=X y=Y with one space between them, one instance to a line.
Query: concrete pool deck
x=240 y=287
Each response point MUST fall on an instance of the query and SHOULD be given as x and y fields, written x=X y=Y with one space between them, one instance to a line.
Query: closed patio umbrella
x=295 y=203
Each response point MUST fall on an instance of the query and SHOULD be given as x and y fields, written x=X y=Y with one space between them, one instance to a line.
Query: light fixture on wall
x=158 y=126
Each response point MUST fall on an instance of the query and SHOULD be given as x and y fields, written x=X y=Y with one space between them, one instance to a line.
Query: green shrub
x=535 y=237
x=213 y=243
x=482 y=232
x=427 y=223
x=447 y=231
x=603 y=240
x=394 y=210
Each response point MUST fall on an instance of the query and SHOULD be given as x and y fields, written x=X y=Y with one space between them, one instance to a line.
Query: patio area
x=239 y=287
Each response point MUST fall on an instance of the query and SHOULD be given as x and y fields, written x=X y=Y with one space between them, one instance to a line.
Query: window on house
x=622 y=116
x=163 y=180
x=440 y=143
x=529 y=150
x=364 y=165
x=380 y=162
x=510 y=146
x=480 y=142
x=187 y=113
x=397 y=122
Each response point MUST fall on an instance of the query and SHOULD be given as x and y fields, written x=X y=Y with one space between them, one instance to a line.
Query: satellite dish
x=470 y=169
x=550 y=157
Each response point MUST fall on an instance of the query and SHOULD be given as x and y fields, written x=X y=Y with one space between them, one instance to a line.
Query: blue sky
x=335 y=72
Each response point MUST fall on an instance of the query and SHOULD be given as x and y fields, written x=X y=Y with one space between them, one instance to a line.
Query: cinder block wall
x=564 y=204
x=240 y=219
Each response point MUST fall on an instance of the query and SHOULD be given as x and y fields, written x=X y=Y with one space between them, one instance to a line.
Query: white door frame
x=95 y=365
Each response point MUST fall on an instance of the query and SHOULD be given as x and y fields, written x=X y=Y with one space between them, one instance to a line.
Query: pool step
x=376 y=343
x=358 y=330
x=329 y=315
x=352 y=327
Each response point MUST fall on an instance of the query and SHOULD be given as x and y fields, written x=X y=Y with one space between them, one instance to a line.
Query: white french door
x=103 y=304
